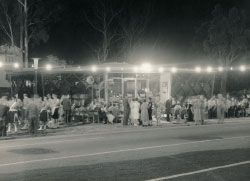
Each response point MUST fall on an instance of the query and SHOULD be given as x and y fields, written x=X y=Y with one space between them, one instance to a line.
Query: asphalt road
x=210 y=152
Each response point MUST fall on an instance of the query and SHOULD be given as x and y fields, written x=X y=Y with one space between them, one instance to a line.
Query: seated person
x=110 y=117
x=177 y=111
x=102 y=114
x=115 y=111
x=183 y=112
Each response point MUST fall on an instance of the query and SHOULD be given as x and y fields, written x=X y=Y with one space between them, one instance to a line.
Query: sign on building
x=165 y=86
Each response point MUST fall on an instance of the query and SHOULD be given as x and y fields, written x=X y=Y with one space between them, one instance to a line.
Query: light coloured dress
x=144 y=114
x=134 y=111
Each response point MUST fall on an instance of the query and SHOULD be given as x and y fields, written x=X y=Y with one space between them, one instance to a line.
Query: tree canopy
x=225 y=38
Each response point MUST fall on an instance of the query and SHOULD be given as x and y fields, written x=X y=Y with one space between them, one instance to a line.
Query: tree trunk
x=213 y=82
x=105 y=47
x=21 y=32
x=223 y=83
x=26 y=48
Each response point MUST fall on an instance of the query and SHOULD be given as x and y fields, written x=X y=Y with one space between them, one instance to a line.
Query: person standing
x=228 y=107
x=220 y=109
x=66 y=104
x=43 y=117
x=158 y=109
x=245 y=105
x=3 y=119
x=55 y=105
x=233 y=107
x=126 y=111
x=150 y=110
x=168 y=108
x=13 y=115
x=144 y=113
x=196 y=110
x=103 y=113
x=33 y=116
x=212 y=108
x=205 y=109
x=25 y=112
x=199 y=110
x=202 y=109
x=189 y=107
x=135 y=109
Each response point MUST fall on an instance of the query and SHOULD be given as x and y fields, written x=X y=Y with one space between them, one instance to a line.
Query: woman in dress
x=43 y=117
x=144 y=113
x=198 y=111
x=134 y=114
x=220 y=103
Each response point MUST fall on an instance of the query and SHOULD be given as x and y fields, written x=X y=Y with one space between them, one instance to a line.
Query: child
x=43 y=117
x=110 y=117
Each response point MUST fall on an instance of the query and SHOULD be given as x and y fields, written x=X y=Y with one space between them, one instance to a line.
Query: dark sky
x=171 y=28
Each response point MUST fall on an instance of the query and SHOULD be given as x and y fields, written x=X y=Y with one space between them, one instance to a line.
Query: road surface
x=210 y=152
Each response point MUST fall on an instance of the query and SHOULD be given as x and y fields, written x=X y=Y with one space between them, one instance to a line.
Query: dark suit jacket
x=66 y=103
x=3 y=110
x=168 y=105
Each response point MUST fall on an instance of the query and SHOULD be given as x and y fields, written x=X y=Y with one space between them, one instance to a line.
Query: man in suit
x=168 y=107
x=66 y=104
x=33 y=115
x=3 y=119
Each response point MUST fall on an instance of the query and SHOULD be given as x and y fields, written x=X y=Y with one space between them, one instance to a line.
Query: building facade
x=10 y=58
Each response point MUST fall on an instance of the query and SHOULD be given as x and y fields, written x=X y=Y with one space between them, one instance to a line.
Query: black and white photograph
x=124 y=90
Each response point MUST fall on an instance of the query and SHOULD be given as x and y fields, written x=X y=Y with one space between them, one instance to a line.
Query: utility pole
x=24 y=30
x=26 y=46
x=35 y=69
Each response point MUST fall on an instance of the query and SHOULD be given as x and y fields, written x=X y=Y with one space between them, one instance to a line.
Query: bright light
x=48 y=67
x=135 y=69
x=161 y=69
x=1 y=64
x=173 y=70
x=122 y=69
x=231 y=68
x=197 y=69
x=209 y=69
x=220 y=69
x=16 y=65
x=242 y=68
x=108 y=69
x=146 y=67
x=93 y=68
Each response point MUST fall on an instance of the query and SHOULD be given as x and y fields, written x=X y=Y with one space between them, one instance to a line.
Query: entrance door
x=129 y=87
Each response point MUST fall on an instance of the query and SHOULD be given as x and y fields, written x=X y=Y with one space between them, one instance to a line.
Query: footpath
x=104 y=128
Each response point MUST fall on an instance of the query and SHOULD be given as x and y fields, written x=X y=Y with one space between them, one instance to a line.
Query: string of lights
x=143 y=68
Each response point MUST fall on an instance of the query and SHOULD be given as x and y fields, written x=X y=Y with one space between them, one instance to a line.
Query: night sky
x=168 y=36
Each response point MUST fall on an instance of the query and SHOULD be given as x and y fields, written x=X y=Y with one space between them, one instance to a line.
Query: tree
x=36 y=16
x=9 y=21
x=226 y=38
x=54 y=60
x=133 y=25
x=102 y=18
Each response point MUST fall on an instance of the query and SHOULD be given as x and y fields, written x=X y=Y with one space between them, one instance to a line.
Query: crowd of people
x=32 y=114
x=37 y=114
x=199 y=108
